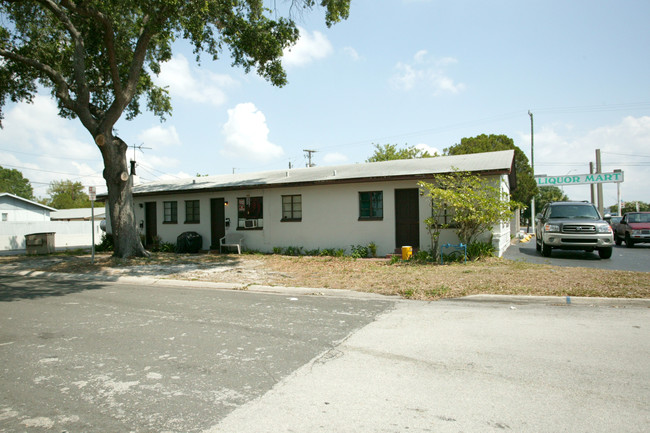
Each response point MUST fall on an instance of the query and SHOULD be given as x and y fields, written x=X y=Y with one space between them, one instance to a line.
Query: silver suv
x=571 y=225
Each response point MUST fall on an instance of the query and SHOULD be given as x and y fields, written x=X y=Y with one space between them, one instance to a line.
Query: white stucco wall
x=330 y=218
x=68 y=234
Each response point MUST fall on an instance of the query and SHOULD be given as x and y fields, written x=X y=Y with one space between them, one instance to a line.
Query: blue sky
x=415 y=72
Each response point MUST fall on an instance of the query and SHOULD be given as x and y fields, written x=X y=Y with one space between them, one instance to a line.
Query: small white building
x=314 y=208
x=18 y=209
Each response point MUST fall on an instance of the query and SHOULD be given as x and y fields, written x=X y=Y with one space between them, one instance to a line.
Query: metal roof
x=78 y=213
x=15 y=197
x=489 y=162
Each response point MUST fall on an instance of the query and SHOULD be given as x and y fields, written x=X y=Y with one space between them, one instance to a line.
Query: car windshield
x=639 y=218
x=574 y=212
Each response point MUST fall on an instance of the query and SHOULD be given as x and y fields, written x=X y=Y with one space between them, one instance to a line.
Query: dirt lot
x=409 y=280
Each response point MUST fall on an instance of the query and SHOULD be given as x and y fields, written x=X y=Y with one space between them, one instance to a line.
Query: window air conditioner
x=250 y=224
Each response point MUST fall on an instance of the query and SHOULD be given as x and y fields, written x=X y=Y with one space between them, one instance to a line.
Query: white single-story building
x=316 y=207
x=14 y=208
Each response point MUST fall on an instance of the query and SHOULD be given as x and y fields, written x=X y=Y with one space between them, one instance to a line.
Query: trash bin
x=189 y=242
x=407 y=253
x=39 y=243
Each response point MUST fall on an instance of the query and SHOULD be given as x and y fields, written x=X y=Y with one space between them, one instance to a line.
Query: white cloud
x=334 y=158
x=426 y=72
x=426 y=148
x=246 y=134
x=159 y=136
x=624 y=146
x=197 y=85
x=46 y=147
x=310 y=47
x=352 y=53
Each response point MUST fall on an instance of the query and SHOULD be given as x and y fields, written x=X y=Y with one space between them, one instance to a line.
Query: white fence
x=68 y=234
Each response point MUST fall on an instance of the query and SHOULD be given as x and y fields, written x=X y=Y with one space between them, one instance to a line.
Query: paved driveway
x=623 y=258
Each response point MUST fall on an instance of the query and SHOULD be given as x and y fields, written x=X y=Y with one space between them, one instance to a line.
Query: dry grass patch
x=409 y=280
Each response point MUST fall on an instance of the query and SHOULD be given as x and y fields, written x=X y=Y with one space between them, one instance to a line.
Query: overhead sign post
x=92 y=193
x=579 y=179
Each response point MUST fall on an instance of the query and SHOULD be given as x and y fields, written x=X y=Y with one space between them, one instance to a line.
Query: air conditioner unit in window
x=250 y=224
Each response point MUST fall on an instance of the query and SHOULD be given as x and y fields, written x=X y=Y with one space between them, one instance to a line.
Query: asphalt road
x=93 y=357
x=623 y=258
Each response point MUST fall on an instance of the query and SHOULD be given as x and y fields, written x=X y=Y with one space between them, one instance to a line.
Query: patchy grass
x=408 y=280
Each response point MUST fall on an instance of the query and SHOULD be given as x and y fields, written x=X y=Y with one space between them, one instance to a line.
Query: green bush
x=480 y=250
x=106 y=244
x=422 y=257
x=358 y=251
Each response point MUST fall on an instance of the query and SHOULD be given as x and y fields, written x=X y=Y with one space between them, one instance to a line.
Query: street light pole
x=532 y=164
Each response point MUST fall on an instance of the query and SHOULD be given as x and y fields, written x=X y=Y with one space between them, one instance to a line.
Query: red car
x=634 y=228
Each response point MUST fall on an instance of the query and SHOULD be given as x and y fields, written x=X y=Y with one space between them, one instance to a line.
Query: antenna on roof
x=139 y=147
x=309 y=152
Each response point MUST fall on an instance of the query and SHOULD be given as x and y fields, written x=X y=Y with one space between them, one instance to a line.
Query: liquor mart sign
x=579 y=179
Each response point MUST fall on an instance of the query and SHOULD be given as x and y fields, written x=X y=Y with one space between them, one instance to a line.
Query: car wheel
x=605 y=253
x=538 y=247
x=628 y=242
x=546 y=250
x=618 y=240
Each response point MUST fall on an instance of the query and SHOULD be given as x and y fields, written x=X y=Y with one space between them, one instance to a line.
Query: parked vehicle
x=571 y=225
x=613 y=220
x=634 y=228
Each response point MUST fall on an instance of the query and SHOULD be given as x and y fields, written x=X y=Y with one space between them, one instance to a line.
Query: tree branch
x=83 y=93
x=123 y=98
x=109 y=39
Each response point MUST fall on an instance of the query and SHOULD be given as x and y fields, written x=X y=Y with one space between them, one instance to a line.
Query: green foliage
x=526 y=186
x=548 y=194
x=372 y=249
x=630 y=206
x=66 y=194
x=106 y=244
x=358 y=251
x=477 y=205
x=423 y=257
x=480 y=250
x=13 y=182
x=98 y=58
x=389 y=152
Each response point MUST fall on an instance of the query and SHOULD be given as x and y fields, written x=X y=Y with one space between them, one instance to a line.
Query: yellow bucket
x=407 y=253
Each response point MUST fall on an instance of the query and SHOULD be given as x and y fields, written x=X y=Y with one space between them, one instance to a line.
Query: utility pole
x=309 y=153
x=592 y=186
x=600 y=185
x=532 y=164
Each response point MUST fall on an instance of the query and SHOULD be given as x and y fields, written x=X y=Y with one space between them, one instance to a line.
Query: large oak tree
x=98 y=57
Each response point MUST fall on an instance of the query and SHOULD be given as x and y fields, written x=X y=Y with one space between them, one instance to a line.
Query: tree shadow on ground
x=15 y=288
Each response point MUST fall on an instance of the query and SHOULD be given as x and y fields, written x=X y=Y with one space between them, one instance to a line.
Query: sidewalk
x=451 y=367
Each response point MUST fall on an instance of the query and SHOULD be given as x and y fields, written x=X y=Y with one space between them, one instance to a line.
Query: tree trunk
x=126 y=237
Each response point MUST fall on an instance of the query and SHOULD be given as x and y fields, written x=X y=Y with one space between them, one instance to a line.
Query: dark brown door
x=151 y=230
x=217 y=222
x=407 y=213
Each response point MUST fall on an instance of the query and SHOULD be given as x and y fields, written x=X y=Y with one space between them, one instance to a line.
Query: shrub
x=480 y=250
x=423 y=257
x=358 y=251
x=106 y=244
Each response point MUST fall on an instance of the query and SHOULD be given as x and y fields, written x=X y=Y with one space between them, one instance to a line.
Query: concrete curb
x=196 y=284
x=557 y=300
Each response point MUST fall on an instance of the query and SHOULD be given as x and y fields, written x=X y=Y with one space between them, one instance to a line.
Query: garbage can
x=39 y=243
x=407 y=253
x=189 y=242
